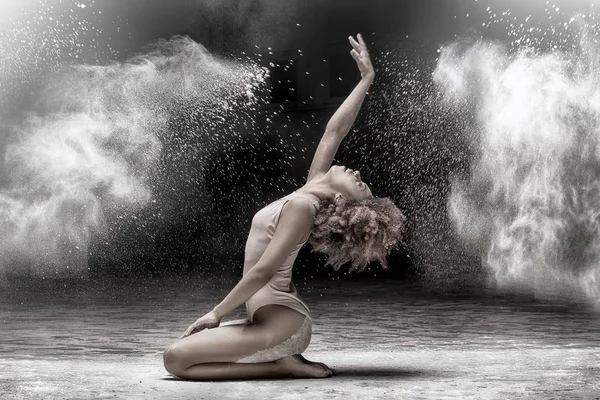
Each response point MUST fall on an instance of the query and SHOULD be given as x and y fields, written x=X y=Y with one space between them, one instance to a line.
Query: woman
x=351 y=227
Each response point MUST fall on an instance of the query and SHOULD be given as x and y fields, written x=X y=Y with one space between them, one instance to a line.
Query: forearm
x=342 y=120
x=247 y=286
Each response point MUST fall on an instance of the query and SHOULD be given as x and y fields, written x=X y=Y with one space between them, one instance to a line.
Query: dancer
x=336 y=212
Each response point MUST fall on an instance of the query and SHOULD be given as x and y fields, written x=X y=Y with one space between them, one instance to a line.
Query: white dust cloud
x=531 y=202
x=92 y=143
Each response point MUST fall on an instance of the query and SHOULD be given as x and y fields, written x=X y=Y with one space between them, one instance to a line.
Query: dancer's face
x=349 y=183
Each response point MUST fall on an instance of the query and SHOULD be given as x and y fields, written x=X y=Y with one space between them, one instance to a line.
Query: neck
x=319 y=187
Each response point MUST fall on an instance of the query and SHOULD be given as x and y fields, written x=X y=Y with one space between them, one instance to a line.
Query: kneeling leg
x=212 y=354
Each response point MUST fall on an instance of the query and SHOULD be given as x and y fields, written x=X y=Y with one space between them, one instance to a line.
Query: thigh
x=296 y=344
x=235 y=322
x=230 y=343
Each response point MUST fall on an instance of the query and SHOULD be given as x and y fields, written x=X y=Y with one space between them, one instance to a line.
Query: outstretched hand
x=208 y=321
x=360 y=53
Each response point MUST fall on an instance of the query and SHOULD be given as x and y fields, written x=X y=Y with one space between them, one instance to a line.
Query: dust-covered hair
x=357 y=232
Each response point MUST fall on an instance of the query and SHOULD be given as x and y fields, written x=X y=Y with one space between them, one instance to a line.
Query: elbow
x=334 y=132
x=261 y=275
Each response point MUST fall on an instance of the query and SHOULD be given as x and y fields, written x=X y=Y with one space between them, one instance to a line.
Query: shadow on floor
x=360 y=372
x=381 y=372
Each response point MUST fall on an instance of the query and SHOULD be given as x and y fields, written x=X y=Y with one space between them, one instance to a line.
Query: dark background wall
x=304 y=45
x=404 y=143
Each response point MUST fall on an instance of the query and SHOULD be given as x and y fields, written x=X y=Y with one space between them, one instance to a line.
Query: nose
x=357 y=174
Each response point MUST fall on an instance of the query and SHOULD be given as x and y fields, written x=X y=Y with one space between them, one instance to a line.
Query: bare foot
x=294 y=366
x=301 y=357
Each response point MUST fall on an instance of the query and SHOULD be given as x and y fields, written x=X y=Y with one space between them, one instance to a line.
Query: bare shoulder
x=299 y=206
x=295 y=221
x=297 y=212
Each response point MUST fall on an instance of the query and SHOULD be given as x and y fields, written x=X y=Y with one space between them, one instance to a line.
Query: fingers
x=359 y=45
x=187 y=333
x=354 y=54
x=191 y=330
x=199 y=325
x=361 y=41
x=354 y=44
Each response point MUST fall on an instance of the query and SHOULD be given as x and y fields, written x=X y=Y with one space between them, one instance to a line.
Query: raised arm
x=294 y=224
x=340 y=123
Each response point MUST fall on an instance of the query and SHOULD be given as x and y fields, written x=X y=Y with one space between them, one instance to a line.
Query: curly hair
x=357 y=231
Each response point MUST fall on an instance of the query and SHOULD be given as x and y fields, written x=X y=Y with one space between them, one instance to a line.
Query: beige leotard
x=280 y=289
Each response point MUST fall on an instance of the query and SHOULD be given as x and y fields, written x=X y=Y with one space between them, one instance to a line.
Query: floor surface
x=392 y=340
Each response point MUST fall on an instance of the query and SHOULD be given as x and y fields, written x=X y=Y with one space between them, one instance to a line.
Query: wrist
x=218 y=313
x=368 y=77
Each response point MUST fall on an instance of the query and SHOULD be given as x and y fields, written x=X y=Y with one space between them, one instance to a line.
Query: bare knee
x=173 y=359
